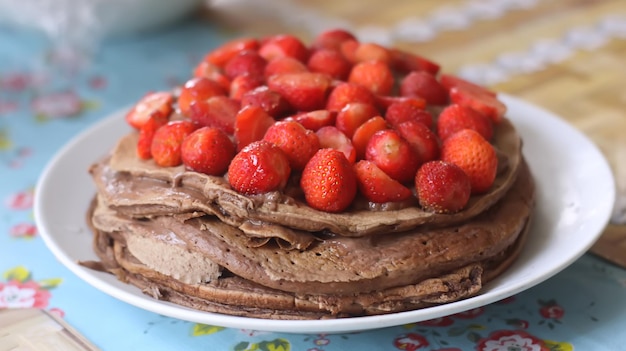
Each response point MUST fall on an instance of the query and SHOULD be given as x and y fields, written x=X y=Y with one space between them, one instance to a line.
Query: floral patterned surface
x=46 y=98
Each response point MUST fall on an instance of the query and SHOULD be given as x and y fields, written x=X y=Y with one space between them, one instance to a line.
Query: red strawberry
x=247 y=62
x=348 y=50
x=408 y=110
x=480 y=101
x=372 y=52
x=160 y=102
x=364 y=132
x=328 y=181
x=259 y=168
x=314 y=120
x=207 y=150
x=304 y=91
x=449 y=81
x=374 y=75
x=298 y=143
x=330 y=62
x=282 y=65
x=405 y=62
x=353 y=115
x=270 y=101
x=391 y=153
x=377 y=186
x=222 y=54
x=345 y=93
x=425 y=85
x=218 y=111
x=208 y=70
x=198 y=89
x=383 y=102
x=423 y=141
x=331 y=137
x=284 y=45
x=167 y=142
x=442 y=187
x=146 y=134
x=331 y=39
x=251 y=123
x=455 y=117
x=243 y=84
x=470 y=151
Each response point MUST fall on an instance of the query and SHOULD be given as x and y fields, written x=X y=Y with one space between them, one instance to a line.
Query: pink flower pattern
x=29 y=294
x=508 y=340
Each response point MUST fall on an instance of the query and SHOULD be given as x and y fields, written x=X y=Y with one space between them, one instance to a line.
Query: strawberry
x=314 y=120
x=222 y=54
x=198 y=89
x=259 y=168
x=167 y=141
x=455 y=117
x=377 y=186
x=284 y=64
x=298 y=143
x=424 y=142
x=348 y=49
x=383 y=102
x=243 y=84
x=425 y=85
x=329 y=181
x=345 y=93
x=251 y=123
x=331 y=39
x=364 y=132
x=449 y=81
x=408 y=110
x=353 y=115
x=333 y=138
x=146 y=134
x=218 y=111
x=284 y=45
x=470 y=151
x=330 y=62
x=371 y=52
x=480 y=101
x=442 y=187
x=207 y=150
x=246 y=62
x=208 y=70
x=304 y=91
x=270 y=101
x=391 y=153
x=404 y=62
x=160 y=102
x=374 y=75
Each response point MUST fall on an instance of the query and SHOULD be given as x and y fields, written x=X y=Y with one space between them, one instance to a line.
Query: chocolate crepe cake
x=193 y=239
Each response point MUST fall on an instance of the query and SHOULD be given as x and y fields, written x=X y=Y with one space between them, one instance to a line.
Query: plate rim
x=100 y=280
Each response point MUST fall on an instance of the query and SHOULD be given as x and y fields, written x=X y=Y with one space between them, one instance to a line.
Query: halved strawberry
x=405 y=62
x=383 y=102
x=282 y=65
x=450 y=81
x=160 y=102
x=304 y=91
x=408 y=110
x=480 y=101
x=270 y=101
x=377 y=186
x=331 y=39
x=364 y=132
x=314 y=120
x=198 y=89
x=223 y=53
x=167 y=141
x=284 y=45
x=456 y=117
x=330 y=62
x=331 y=137
x=212 y=72
x=243 y=84
x=423 y=141
x=353 y=115
x=259 y=168
x=345 y=93
x=246 y=62
x=391 y=153
x=372 y=52
x=146 y=134
x=207 y=150
x=218 y=111
x=328 y=181
x=297 y=142
x=251 y=123
x=442 y=187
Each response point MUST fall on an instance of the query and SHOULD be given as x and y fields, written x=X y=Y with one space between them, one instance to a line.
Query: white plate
x=575 y=197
